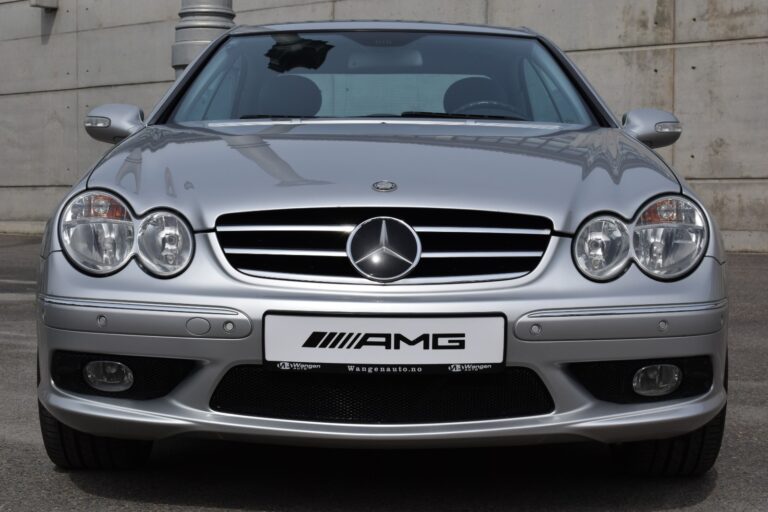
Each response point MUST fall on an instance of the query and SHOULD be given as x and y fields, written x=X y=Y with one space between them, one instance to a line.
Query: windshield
x=382 y=74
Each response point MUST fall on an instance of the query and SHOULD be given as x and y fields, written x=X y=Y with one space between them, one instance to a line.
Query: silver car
x=383 y=234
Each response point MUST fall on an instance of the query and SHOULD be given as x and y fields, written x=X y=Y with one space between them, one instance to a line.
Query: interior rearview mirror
x=655 y=128
x=113 y=122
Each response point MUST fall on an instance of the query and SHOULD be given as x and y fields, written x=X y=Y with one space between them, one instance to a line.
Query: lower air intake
x=380 y=399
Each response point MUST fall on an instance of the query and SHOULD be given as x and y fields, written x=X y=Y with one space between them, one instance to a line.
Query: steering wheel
x=492 y=105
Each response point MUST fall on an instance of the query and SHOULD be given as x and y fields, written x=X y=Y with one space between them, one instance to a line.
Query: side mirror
x=654 y=128
x=113 y=122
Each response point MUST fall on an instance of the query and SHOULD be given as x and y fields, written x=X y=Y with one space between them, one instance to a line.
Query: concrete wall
x=706 y=60
x=55 y=66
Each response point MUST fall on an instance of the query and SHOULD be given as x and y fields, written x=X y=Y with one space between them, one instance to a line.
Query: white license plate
x=345 y=340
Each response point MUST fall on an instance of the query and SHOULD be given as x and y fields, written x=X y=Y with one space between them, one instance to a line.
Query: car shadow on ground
x=246 y=476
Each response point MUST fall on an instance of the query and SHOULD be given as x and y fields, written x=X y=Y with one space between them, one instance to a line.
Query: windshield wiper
x=445 y=115
x=274 y=116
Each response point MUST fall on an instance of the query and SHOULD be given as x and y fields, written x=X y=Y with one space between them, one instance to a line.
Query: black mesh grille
x=523 y=238
x=376 y=399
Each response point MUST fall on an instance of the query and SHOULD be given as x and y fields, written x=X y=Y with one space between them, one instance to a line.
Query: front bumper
x=579 y=320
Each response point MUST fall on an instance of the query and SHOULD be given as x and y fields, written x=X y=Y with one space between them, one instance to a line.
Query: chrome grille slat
x=483 y=254
x=309 y=244
x=418 y=229
x=343 y=254
x=287 y=252
x=467 y=229
x=309 y=228
x=360 y=280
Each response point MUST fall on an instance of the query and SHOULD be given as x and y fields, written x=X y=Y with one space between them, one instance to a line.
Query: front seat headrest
x=290 y=95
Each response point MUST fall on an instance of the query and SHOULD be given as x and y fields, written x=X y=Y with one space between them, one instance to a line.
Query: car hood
x=565 y=173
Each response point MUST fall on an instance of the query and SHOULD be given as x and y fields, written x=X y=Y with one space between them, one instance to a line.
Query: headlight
x=669 y=237
x=667 y=240
x=601 y=248
x=97 y=232
x=165 y=243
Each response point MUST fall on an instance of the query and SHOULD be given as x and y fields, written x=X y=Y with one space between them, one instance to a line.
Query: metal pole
x=201 y=21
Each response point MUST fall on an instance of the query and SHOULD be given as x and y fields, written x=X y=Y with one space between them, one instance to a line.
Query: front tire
x=71 y=449
x=691 y=454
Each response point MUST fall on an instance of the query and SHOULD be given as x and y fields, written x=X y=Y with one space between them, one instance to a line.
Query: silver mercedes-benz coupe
x=383 y=234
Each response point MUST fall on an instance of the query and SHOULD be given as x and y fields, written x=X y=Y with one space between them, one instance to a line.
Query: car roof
x=382 y=25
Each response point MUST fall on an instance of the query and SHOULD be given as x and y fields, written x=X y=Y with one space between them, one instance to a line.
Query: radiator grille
x=310 y=244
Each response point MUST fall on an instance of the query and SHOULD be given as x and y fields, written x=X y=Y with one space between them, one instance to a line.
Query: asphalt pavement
x=210 y=475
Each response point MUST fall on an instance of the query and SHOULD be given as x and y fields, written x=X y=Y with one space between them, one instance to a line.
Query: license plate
x=373 y=344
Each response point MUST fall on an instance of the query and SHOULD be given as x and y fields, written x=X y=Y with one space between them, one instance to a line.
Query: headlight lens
x=165 y=243
x=669 y=237
x=601 y=249
x=97 y=232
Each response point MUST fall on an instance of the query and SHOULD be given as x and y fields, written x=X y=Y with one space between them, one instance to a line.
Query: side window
x=215 y=93
x=542 y=106
x=562 y=95
x=562 y=104
x=225 y=97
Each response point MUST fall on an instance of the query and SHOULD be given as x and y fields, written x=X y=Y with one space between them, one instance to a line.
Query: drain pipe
x=200 y=22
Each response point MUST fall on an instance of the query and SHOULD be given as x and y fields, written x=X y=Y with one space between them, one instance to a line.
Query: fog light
x=657 y=380
x=108 y=376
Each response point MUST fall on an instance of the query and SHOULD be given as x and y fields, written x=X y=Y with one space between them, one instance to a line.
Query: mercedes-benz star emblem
x=384 y=249
x=384 y=186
